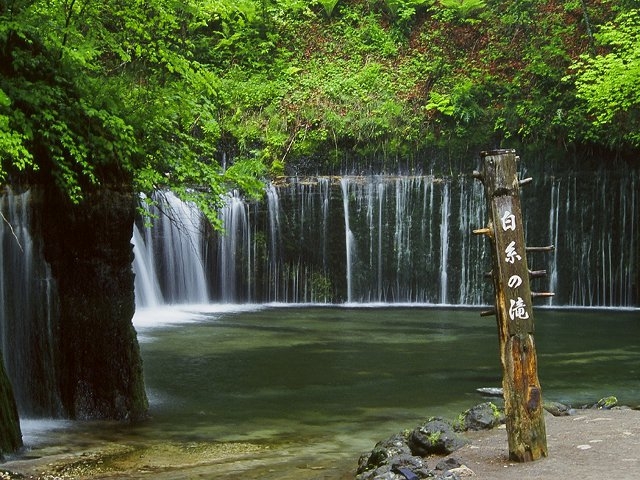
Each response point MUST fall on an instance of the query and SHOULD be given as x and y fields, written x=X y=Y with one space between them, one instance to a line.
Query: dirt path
x=592 y=444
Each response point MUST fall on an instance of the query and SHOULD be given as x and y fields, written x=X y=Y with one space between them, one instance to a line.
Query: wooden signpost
x=522 y=393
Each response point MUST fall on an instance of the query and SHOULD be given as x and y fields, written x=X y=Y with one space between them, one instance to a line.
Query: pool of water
x=328 y=382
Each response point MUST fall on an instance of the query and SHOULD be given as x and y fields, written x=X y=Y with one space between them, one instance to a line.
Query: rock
x=484 y=416
x=10 y=434
x=413 y=472
x=463 y=471
x=437 y=436
x=558 y=409
x=607 y=403
x=406 y=473
x=491 y=391
x=448 y=464
x=400 y=467
x=391 y=459
x=448 y=475
x=88 y=247
x=384 y=450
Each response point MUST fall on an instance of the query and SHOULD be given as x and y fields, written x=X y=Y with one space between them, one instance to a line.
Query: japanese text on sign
x=514 y=281
x=518 y=309
x=511 y=254
x=508 y=221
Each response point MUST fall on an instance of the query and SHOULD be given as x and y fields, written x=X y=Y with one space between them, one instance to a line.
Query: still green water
x=329 y=382
x=296 y=372
x=300 y=371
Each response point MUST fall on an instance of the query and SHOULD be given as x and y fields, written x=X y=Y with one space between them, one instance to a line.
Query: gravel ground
x=591 y=444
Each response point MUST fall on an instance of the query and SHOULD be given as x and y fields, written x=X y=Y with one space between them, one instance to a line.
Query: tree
x=608 y=82
x=94 y=92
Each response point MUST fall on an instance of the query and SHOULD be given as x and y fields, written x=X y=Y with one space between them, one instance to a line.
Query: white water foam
x=175 y=315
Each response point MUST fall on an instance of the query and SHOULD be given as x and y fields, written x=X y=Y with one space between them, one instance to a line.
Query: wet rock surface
x=404 y=455
x=88 y=247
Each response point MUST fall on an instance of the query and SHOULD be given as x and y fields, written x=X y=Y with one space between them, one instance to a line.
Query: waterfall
x=384 y=238
x=348 y=237
x=444 y=242
x=592 y=220
x=147 y=288
x=323 y=186
x=554 y=211
x=29 y=310
x=273 y=204
x=380 y=294
x=233 y=245
x=171 y=251
x=474 y=250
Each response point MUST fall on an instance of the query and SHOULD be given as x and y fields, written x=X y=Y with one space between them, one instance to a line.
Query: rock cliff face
x=88 y=247
x=10 y=435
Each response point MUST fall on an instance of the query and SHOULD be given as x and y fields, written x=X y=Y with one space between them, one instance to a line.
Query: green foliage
x=13 y=150
x=608 y=82
x=321 y=287
x=462 y=9
x=201 y=97
x=329 y=6
x=246 y=174
x=405 y=10
x=103 y=91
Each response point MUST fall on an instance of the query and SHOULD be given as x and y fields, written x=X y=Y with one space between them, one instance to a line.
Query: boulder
x=391 y=459
x=484 y=416
x=383 y=451
x=88 y=246
x=399 y=467
x=436 y=437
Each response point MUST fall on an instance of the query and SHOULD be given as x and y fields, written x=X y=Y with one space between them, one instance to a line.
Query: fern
x=464 y=8
x=329 y=6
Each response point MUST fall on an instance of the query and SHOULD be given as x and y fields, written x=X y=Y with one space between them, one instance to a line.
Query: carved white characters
x=508 y=221
x=511 y=254
x=517 y=307
x=514 y=281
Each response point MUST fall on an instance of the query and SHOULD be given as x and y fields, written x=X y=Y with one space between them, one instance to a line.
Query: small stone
x=448 y=464
x=491 y=391
x=558 y=409
x=463 y=471
x=448 y=475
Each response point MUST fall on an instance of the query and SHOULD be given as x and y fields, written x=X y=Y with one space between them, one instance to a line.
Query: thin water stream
x=306 y=389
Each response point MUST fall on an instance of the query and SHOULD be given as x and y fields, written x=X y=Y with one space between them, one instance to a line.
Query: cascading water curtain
x=169 y=254
x=29 y=310
x=401 y=239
